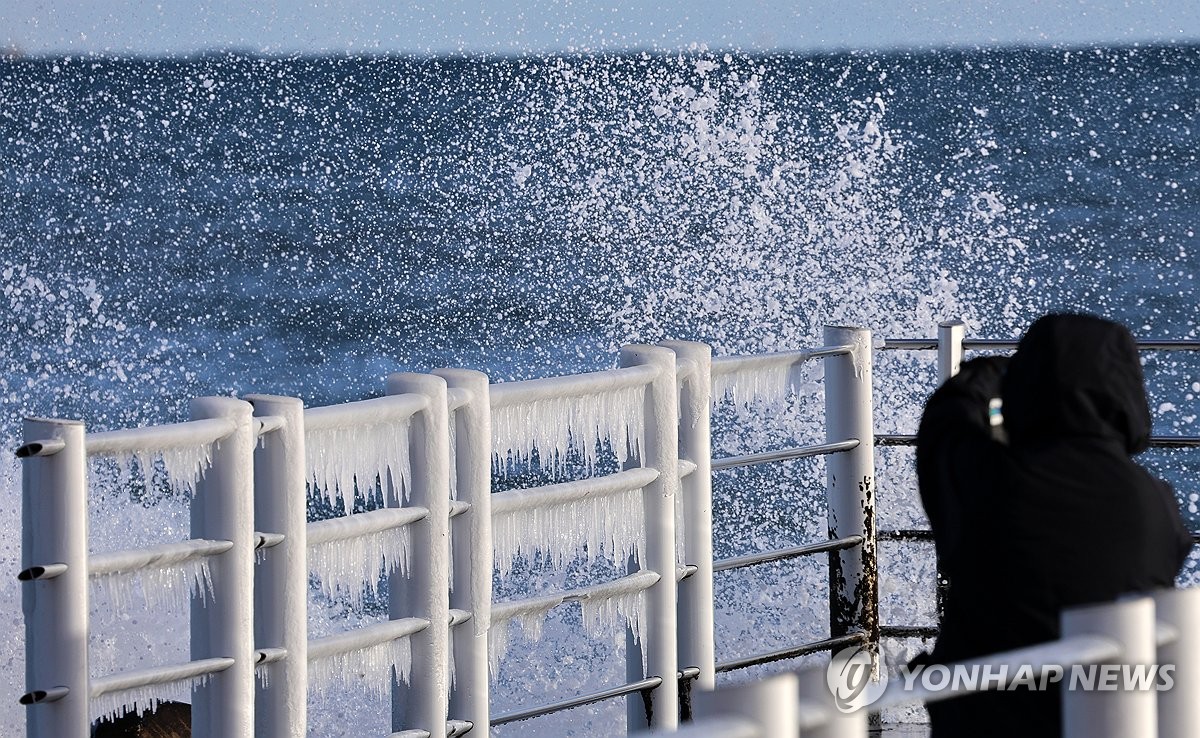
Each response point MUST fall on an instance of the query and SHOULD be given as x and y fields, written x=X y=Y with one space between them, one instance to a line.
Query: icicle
x=112 y=705
x=608 y=525
x=341 y=457
x=370 y=666
x=530 y=615
x=580 y=423
x=262 y=673
x=169 y=587
x=770 y=385
x=350 y=567
x=183 y=466
x=608 y=616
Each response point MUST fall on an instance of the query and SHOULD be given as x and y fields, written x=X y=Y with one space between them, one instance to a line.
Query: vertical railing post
x=281 y=578
x=817 y=700
x=772 y=703
x=223 y=623
x=850 y=486
x=660 y=706
x=421 y=704
x=1120 y=712
x=472 y=548
x=54 y=591
x=696 y=632
x=1179 y=707
x=950 y=348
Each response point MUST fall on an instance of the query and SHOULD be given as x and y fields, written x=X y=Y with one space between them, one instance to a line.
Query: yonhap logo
x=854 y=679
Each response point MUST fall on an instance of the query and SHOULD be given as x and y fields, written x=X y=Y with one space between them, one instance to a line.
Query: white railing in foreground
x=1162 y=630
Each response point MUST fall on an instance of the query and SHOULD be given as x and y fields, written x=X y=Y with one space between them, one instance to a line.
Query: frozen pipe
x=724 y=365
x=819 y=716
x=950 y=348
x=159 y=437
x=637 y=582
x=659 y=707
x=550 y=388
x=157 y=675
x=364 y=412
x=425 y=593
x=54 y=535
x=363 y=638
x=696 y=610
x=472 y=544
x=771 y=703
x=850 y=486
x=1121 y=712
x=281 y=577
x=566 y=492
x=362 y=524
x=164 y=555
x=223 y=625
x=1179 y=707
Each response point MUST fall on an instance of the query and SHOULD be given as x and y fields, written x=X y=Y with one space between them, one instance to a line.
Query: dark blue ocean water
x=178 y=227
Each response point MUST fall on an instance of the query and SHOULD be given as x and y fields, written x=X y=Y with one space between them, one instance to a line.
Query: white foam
x=167 y=587
x=579 y=423
x=343 y=459
x=370 y=667
x=352 y=567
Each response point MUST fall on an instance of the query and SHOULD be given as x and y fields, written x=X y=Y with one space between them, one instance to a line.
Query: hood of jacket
x=1076 y=376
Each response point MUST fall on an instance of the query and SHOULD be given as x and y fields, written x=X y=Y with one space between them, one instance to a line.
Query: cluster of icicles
x=349 y=464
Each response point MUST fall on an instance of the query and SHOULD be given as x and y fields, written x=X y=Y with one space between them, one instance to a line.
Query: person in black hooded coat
x=1056 y=516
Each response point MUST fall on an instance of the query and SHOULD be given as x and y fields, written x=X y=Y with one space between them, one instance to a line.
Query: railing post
x=850 y=486
x=1118 y=713
x=223 y=623
x=422 y=703
x=660 y=708
x=817 y=700
x=696 y=631
x=950 y=348
x=772 y=703
x=472 y=548
x=54 y=532
x=281 y=578
x=1179 y=707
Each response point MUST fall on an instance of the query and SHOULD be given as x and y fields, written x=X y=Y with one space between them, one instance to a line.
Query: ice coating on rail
x=169 y=588
x=577 y=423
x=601 y=525
x=348 y=461
x=352 y=567
x=770 y=385
x=370 y=667
x=112 y=705
x=183 y=465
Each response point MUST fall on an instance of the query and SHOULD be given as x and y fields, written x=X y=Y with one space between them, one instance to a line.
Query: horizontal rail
x=363 y=523
x=458 y=507
x=164 y=555
x=376 y=410
x=530 y=498
x=895 y=439
x=267 y=540
x=457 y=397
x=365 y=637
x=811 y=549
x=722 y=365
x=908 y=631
x=1001 y=344
x=905 y=534
x=786 y=454
x=637 y=582
x=900 y=439
x=580 y=701
x=158 y=437
x=264 y=656
x=1082 y=649
x=269 y=423
x=44 y=447
x=686 y=467
x=505 y=394
x=827 y=644
x=157 y=675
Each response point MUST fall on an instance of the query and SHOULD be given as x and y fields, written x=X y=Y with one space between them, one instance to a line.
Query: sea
x=228 y=223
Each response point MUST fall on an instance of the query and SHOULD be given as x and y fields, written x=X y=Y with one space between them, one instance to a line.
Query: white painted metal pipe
x=1120 y=712
x=425 y=593
x=574 y=385
x=157 y=675
x=771 y=703
x=363 y=524
x=281 y=578
x=950 y=348
x=160 y=556
x=471 y=540
x=158 y=437
x=533 y=498
x=364 y=412
x=819 y=715
x=636 y=582
x=724 y=365
x=850 y=485
x=696 y=631
x=365 y=637
x=223 y=624
x=1179 y=707
x=659 y=498
x=54 y=524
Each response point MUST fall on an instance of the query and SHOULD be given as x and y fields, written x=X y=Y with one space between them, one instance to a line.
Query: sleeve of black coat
x=955 y=447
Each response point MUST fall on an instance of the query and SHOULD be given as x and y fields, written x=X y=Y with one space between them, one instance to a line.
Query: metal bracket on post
x=425 y=594
x=850 y=486
x=223 y=624
x=281 y=578
x=472 y=548
x=661 y=452
x=54 y=538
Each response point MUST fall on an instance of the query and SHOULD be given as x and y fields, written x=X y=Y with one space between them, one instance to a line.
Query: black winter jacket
x=1059 y=516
